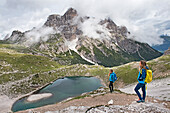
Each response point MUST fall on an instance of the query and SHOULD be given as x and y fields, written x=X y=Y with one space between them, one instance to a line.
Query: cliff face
x=70 y=41
x=64 y=24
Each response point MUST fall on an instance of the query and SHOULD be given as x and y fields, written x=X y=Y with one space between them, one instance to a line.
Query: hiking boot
x=142 y=100
x=139 y=101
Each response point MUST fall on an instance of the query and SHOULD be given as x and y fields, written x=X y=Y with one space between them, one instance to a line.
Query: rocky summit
x=73 y=39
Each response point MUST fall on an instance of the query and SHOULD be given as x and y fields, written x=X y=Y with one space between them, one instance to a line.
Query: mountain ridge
x=106 y=44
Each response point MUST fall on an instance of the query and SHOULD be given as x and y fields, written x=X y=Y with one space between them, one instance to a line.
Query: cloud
x=141 y=17
x=23 y=15
x=38 y=34
x=93 y=29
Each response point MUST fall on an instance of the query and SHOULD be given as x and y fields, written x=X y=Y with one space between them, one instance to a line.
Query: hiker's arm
x=108 y=75
x=143 y=73
x=139 y=69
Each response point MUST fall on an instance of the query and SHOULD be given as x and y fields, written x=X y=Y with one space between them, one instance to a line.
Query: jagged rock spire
x=70 y=14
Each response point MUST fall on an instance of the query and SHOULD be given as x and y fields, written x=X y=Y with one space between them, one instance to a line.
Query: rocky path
x=159 y=89
x=120 y=102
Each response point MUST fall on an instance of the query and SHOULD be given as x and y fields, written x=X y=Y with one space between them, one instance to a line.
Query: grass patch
x=127 y=74
x=24 y=63
x=82 y=48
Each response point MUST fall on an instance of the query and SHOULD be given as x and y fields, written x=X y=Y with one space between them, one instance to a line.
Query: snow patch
x=88 y=60
x=72 y=46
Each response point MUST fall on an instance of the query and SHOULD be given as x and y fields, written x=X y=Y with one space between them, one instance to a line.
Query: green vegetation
x=111 y=57
x=82 y=48
x=16 y=66
x=160 y=66
x=146 y=53
x=127 y=74
x=80 y=97
x=26 y=62
x=26 y=72
x=50 y=48
x=72 y=58
x=15 y=47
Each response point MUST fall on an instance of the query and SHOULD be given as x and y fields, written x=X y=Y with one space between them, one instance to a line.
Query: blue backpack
x=115 y=77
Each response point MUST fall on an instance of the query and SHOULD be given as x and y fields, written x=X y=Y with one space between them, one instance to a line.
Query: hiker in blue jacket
x=141 y=80
x=112 y=79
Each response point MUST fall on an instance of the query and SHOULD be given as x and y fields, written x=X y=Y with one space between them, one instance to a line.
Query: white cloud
x=139 y=16
x=23 y=15
x=38 y=34
x=91 y=26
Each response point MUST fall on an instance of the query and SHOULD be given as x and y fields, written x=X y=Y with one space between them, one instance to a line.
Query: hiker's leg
x=138 y=86
x=111 y=86
x=144 y=91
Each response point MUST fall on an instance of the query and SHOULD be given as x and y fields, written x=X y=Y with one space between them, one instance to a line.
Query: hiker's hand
x=139 y=68
x=109 y=74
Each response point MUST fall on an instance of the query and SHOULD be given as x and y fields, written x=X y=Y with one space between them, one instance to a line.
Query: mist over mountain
x=143 y=18
x=72 y=38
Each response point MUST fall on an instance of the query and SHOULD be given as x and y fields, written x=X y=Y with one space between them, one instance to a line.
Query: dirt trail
x=118 y=99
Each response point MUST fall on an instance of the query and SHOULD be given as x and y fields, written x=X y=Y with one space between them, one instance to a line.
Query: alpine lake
x=58 y=91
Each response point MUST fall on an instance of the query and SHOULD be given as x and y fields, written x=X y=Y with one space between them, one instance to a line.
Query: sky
x=145 y=19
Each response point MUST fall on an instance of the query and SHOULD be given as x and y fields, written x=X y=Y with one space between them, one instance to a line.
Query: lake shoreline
x=39 y=91
x=119 y=99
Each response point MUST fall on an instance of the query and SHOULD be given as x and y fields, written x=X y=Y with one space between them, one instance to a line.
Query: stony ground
x=132 y=108
x=159 y=89
x=147 y=107
x=99 y=104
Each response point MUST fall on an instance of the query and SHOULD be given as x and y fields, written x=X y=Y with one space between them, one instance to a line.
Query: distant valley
x=166 y=44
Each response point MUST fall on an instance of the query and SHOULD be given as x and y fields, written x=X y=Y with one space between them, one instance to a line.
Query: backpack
x=148 y=78
x=115 y=77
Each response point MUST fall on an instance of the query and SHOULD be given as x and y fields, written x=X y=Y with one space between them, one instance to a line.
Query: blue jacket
x=112 y=77
x=142 y=76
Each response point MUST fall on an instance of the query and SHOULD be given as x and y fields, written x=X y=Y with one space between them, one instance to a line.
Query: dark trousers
x=138 y=86
x=111 y=86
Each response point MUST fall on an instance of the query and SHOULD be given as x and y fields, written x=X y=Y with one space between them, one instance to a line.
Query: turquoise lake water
x=61 y=89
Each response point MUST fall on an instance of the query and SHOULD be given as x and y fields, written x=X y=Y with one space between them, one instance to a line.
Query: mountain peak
x=71 y=11
x=56 y=20
x=70 y=14
x=16 y=32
